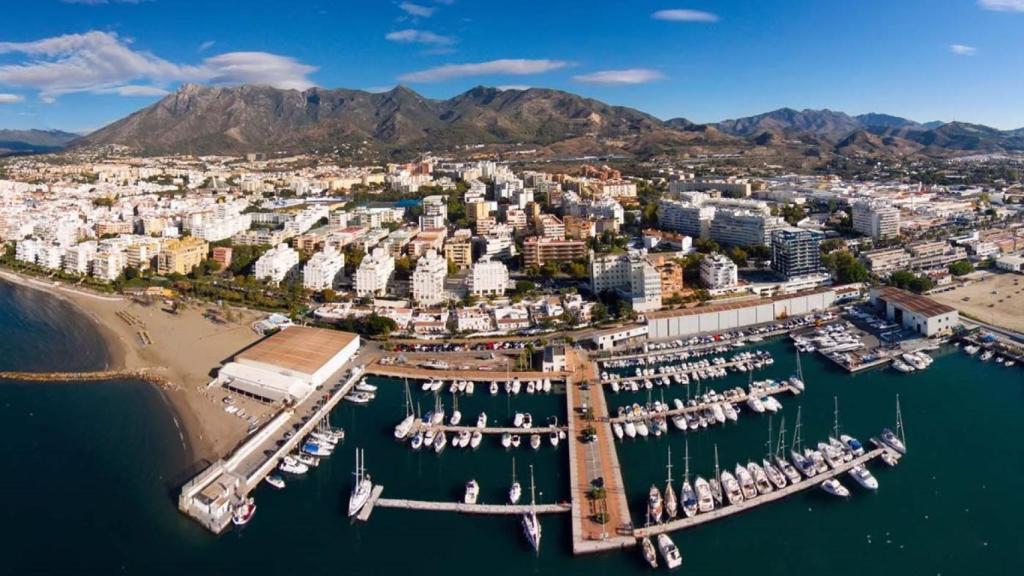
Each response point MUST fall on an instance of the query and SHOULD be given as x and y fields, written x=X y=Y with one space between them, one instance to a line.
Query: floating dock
x=735 y=399
x=420 y=426
x=494 y=509
x=687 y=372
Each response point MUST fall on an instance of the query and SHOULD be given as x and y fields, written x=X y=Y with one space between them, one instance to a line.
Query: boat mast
x=835 y=416
x=899 y=422
x=782 y=438
x=797 y=444
x=717 y=473
x=799 y=368
x=513 y=469
x=686 y=460
x=669 y=466
x=533 y=496
x=768 y=444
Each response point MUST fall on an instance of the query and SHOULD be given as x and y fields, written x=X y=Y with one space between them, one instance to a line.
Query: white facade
x=27 y=251
x=277 y=263
x=323 y=269
x=490 y=278
x=428 y=279
x=374 y=273
x=631 y=275
x=876 y=219
x=77 y=259
x=718 y=272
x=109 y=264
x=435 y=212
x=51 y=256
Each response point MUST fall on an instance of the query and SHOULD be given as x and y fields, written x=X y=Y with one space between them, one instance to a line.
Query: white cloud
x=205 y=46
x=508 y=67
x=513 y=87
x=1002 y=5
x=963 y=50
x=10 y=98
x=685 y=15
x=133 y=90
x=417 y=9
x=412 y=36
x=103 y=62
x=628 y=76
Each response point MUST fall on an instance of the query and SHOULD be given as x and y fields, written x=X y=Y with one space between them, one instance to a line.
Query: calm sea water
x=91 y=472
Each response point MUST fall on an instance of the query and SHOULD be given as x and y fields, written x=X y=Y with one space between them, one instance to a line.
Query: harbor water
x=92 y=470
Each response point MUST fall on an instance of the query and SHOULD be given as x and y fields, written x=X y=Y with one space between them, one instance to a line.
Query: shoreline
x=186 y=346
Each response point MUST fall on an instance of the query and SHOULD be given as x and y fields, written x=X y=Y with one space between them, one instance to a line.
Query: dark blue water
x=91 y=473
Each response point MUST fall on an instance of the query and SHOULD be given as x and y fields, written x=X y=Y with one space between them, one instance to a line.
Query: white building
x=435 y=212
x=876 y=219
x=78 y=258
x=51 y=256
x=631 y=275
x=109 y=264
x=490 y=278
x=27 y=251
x=374 y=273
x=323 y=270
x=428 y=279
x=277 y=263
x=718 y=272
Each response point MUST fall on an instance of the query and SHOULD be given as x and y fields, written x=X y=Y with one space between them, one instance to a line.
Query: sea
x=91 y=473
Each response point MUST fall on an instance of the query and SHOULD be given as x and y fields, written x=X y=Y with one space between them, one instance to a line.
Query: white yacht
x=472 y=492
x=649 y=552
x=705 y=500
x=403 y=428
x=755 y=404
x=481 y=420
x=531 y=526
x=835 y=488
x=669 y=552
x=618 y=430
x=902 y=366
x=864 y=477
x=362 y=488
x=731 y=487
x=516 y=491
x=475 y=439
x=292 y=466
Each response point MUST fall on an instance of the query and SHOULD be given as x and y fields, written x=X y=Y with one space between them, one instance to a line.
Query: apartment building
x=685 y=217
x=428 y=279
x=374 y=273
x=79 y=257
x=885 y=261
x=323 y=270
x=796 y=252
x=549 y=226
x=435 y=212
x=459 y=251
x=876 y=219
x=109 y=264
x=742 y=227
x=718 y=272
x=490 y=278
x=537 y=250
x=180 y=256
x=631 y=275
x=277 y=263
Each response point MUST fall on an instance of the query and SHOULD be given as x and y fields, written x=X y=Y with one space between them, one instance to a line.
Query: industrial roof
x=299 y=348
x=914 y=302
x=746 y=303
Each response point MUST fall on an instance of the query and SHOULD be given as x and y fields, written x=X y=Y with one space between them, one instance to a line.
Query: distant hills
x=552 y=123
x=33 y=141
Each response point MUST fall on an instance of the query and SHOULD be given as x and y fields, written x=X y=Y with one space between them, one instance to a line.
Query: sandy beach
x=185 y=347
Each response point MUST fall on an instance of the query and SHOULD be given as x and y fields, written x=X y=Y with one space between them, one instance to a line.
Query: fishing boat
x=731 y=488
x=404 y=427
x=244 y=512
x=362 y=488
x=669 y=552
x=863 y=477
x=472 y=492
x=671 y=504
x=531 y=525
x=835 y=488
x=275 y=481
x=516 y=491
x=705 y=500
x=655 y=505
x=716 y=483
x=649 y=553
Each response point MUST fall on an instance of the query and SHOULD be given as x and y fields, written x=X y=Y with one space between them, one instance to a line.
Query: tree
x=738 y=255
x=599 y=313
x=845 y=267
x=831 y=245
x=706 y=245
x=793 y=213
x=453 y=268
x=961 y=268
x=525 y=286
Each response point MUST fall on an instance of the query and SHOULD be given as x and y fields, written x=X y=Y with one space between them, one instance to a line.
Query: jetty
x=493 y=509
x=420 y=426
x=487 y=376
x=148 y=374
x=735 y=398
x=747 y=504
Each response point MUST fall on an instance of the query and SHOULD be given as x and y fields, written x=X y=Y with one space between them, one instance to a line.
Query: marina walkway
x=403 y=371
x=729 y=510
x=471 y=508
x=367 y=509
x=736 y=399
x=688 y=373
x=489 y=430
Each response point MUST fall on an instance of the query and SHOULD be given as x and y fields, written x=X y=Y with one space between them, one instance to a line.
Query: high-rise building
x=537 y=251
x=78 y=258
x=742 y=227
x=428 y=279
x=631 y=275
x=374 y=273
x=878 y=220
x=490 y=278
x=181 y=256
x=435 y=212
x=717 y=272
x=796 y=252
x=323 y=270
x=459 y=251
x=686 y=217
x=277 y=263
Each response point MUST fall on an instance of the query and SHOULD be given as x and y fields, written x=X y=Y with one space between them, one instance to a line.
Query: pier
x=688 y=373
x=147 y=374
x=777 y=494
x=733 y=398
x=493 y=509
x=477 y=376
x=420 y=426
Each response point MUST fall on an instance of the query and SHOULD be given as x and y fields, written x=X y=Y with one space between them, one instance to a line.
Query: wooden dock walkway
x=367 y=509
x=741 y=398
x=478 y=376
x=494 y=509
x=729 y=510
x=689 y=373
x=420 y=426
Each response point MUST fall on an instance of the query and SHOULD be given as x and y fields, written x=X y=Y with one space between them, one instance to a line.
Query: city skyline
x=81 y=64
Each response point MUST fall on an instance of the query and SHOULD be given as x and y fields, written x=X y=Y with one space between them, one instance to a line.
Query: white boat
x=527 y=421
x=516 y=491
x=902 y=366
x=417 y=441
x=455 y=418
x=547 y=385
x=671 y=503
x=404 y=427
x=470 y=387
x=440 y=442
x=669 y=552
x=630 y=428
x=746 y=482
x=243 y=513
x=755 y=404
x=475 y=439
x=971 y=349
x=275 y=481
x=730 y=411
x=986 y=355
x=554 y=438
x=705 y=499
x=362 y=488
x=517 y=420
x=516 y=440
x=531 y=525
x=516 y=386
x=506 y=440
x=472 y=492
x=481 y=420
x=853 y=444
x=649 y=552
x=655 y=505
x=494 y=388
x=892 y=441
x=535 y=441
x=718 y=412
x=835 y=488
x=641 y=428
x=531 y=387
x=916 y=361
x=363 y=386
x=292 y=466
x=731 y=488
x=761 y=480
x=618 y=430
x=774 y=474
x=864 y=477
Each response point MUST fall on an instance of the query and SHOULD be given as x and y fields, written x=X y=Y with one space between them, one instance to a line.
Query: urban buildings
x=459 y=251
x=428 y=279
x=435 y=212
x=323 y=270
x=181 y=256
x=277 y=263
x=743 y=227
x=796 y=252
x=490 y=278
x=718 y=272
x=631 y=275
x=374 y=273
x=537 y=251
x=878 y=220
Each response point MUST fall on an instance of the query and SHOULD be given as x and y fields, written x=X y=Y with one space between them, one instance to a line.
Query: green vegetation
x=793 y=213
x=961 y=268
x=910 y=281
x=373 y=325
x=844 y=267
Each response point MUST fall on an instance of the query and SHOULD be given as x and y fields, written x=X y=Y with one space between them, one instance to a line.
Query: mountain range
x=233 y=120
x=33 y=141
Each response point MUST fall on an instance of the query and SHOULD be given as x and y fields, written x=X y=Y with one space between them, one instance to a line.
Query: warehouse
x=290 y=364
x=918 y=313
x=734 y=315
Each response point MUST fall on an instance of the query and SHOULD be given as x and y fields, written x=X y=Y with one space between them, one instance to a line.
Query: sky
x=77 y=65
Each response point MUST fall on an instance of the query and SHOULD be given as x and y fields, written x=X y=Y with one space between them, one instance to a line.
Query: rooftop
x=914 y=302
x=298 y=348
x=731 y=305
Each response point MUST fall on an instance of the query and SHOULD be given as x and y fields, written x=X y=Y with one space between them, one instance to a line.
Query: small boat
x=455 y=418
x=516 y=440
x=835 y=488
x=516 y=491
x=731 y=488
x=669 y=552
x=705 y=499
x=506 y=440
x=746 y=482
x=494 y=388
x=364 y=387
x=655 y=506
x=761 y=481
x=440 y=442
x=306 y=459
x=546 y=387
x=417 y=441
x=648 y=551
x=481 y=420
x=554 y=438
x=864 y=477
x=244 y=512
x=893 y=441
x=730 y=411
x=362 y=488
x=774 y=474
x=853 y=444
x=671 y=503
x=755 y=404
x=641 y=428
x=986 y=355
x=617 y=429
x=292 y=466
x=475 y=439
x=630 y=428
x=517 y=420
x=771 y=404
x=902 y=366
x=470 y=388
x=275 y=481
x=404 y=427
x=527 y=421
x=316 y=449
x=472 y=492
x=531 y=387
x=535 y=441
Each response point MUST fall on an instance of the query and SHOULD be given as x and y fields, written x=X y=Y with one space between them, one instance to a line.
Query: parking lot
x=997 y=300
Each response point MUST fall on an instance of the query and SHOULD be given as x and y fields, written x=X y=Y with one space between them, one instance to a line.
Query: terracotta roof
x=914 y=302
x=298 y=348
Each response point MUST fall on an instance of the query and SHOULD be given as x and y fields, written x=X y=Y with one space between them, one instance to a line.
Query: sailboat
x=456 y=415
x=671 y=504
x=655 y=505
x=362 y=488
x=531 y=526
x=689 y=497
x=780 y=460
x=716 y=483
x=845 y=453
x=774 y=474
x=797 y=380
x=516 y=491
x=896 y=441
x=647 y=549
x=806 y=467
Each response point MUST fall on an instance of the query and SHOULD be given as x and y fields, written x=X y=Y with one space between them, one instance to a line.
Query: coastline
x=185 y=346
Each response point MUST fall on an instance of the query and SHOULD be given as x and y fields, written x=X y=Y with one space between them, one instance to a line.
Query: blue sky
x=79 y=64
